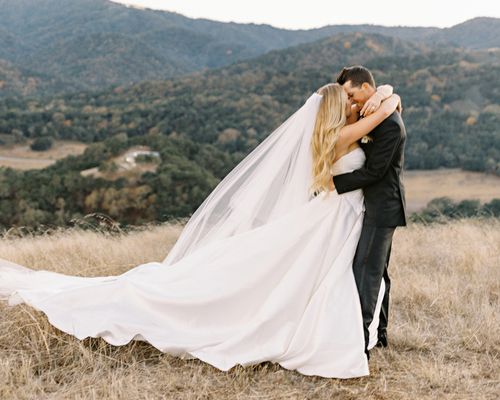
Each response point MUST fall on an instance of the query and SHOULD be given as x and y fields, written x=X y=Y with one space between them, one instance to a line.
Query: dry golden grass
x=444 y=328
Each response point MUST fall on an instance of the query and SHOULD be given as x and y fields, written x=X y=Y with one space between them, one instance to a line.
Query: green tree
x=42 y=143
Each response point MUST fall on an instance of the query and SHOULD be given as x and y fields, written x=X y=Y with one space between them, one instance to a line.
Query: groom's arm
x=384 y=147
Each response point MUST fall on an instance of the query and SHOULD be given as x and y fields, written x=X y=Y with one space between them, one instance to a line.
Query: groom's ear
x=366 y=86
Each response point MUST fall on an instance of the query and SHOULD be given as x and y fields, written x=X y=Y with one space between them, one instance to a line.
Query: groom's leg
x=368 y=267
x=384 y=311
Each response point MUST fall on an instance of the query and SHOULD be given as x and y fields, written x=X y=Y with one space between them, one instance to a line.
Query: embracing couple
x=285 y=261
x=383 y=194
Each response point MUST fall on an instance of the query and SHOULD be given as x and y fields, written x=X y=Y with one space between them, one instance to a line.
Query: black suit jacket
x=380 y=176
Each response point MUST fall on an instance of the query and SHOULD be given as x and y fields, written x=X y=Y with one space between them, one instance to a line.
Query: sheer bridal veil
x=270 y=181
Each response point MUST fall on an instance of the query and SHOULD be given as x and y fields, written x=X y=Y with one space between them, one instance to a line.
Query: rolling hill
x=88 y=44
x=204 y=123
x=451 y=100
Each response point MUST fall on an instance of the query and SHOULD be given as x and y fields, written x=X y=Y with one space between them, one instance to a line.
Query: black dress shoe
x=382 y=340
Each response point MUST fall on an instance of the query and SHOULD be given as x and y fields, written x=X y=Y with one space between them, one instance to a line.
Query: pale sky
x=316 y=13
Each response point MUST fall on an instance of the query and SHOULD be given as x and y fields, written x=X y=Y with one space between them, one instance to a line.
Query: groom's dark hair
x=357 y=74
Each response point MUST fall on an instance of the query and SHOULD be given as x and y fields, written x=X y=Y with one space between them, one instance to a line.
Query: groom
x=384 y=199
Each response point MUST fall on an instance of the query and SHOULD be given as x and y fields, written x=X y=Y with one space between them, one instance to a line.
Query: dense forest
x=60 y=195
x=451 y=101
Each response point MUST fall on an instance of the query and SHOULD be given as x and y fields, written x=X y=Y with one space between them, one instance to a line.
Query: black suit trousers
x=370 y=266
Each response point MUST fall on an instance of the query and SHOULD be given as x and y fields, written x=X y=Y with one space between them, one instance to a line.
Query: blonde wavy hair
x=331 y=117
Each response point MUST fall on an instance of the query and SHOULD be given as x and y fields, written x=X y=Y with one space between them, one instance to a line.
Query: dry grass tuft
x=444 y=328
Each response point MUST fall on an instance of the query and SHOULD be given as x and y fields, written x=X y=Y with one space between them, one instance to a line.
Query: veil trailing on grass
x=270 y=181
x=264 y=272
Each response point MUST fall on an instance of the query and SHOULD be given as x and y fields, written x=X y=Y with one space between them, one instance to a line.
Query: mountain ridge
x=60 y=39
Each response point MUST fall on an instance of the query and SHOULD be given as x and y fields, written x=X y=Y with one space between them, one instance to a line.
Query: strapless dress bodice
x=349 y=162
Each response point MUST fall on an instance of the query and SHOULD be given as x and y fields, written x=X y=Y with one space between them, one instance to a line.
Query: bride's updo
x=331 y=117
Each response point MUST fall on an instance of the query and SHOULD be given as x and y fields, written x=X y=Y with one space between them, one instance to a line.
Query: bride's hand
x=371 y=105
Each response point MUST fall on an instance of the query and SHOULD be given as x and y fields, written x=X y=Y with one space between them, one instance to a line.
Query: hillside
x=477 y=33
x=88 y=44
x=451 y=100
x=203 y=124
x=441 y=346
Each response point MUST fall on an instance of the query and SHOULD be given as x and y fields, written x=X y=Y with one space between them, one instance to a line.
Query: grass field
x=444 y=327
x=424 y=185
x=23 y=158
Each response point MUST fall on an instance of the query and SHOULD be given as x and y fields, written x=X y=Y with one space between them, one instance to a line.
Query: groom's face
x=358 y=94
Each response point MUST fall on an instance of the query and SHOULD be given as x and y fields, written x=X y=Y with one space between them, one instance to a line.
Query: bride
x=262 y=271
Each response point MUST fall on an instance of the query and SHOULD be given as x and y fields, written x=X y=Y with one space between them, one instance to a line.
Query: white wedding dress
x=283 y=292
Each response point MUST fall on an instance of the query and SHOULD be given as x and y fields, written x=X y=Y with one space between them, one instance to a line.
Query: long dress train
x=283 y=292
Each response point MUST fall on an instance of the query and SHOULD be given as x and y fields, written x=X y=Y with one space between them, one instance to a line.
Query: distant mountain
x=477 y=33
x=89 y=44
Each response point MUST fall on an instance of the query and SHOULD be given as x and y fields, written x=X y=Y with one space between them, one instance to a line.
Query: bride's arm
x=385 y=91
x=373 y=103
x=355 y=131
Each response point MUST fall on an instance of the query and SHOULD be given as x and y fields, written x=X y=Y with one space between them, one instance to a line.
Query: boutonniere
x=365 y=139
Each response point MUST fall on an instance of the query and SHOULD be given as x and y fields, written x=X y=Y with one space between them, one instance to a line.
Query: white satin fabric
x=283 y=292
